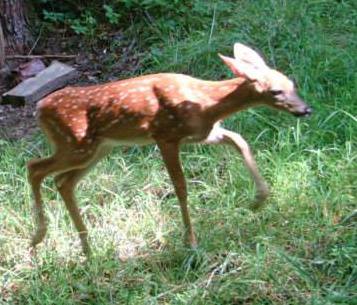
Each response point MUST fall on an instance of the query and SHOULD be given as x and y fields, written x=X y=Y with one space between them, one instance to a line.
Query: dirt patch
x=17 y=122
x=110 y=58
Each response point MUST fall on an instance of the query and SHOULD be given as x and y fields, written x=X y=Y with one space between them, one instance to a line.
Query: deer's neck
x=227 y=97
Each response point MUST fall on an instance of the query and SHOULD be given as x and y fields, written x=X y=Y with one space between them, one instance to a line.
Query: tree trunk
x=13 y=18
x=2 y=49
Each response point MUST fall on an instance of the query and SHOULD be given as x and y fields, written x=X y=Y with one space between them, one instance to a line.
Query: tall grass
x=300 y=249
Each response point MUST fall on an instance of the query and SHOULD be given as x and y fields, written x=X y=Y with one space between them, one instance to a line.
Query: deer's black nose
x=305 y=111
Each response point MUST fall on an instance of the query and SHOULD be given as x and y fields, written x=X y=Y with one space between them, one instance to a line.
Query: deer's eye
x=276 y=92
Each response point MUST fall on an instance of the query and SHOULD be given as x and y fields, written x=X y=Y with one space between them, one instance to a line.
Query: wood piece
x=55 y=76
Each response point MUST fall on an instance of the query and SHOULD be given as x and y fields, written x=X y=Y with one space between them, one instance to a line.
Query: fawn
x=84 y=123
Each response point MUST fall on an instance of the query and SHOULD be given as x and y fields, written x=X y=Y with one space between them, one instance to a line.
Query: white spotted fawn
x=84 y=123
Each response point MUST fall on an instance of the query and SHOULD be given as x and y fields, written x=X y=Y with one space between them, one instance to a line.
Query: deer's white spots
x=115 y=121
x=68 y=139
x=169 y=88
x=145 y=125
x=142 y=89
x=123 y=95
x=81 y=133
x=151 y=101
x=171 y=116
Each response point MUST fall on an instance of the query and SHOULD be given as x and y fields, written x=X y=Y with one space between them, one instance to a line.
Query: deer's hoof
x=87 y=251
x=85 y=246
x=191 y=242
x=260 y=198
x=194 y=246
x=32 y=251
x=38 y=236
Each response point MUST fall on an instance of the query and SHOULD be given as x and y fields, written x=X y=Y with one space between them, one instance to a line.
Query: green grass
x=297 y=250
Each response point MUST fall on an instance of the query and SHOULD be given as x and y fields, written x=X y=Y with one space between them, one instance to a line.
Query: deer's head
x=272 y=88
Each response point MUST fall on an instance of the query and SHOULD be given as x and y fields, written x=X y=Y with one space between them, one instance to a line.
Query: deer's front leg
x=170 y=154
x=220 y=135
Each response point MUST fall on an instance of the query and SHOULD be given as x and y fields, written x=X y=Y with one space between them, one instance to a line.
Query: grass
x=300 y=249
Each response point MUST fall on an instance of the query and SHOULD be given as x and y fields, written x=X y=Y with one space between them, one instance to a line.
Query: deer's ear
x=231 y=63
x=248 y=55
x=241 y=68
x=248 y=71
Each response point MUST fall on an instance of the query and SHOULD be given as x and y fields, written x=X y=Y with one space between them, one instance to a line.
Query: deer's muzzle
x=298 y=107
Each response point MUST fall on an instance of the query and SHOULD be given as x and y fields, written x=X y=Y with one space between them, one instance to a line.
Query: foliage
x=300 y=249
x=91 y=16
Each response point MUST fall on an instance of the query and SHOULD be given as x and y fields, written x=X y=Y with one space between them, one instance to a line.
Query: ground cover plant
x=300 y=249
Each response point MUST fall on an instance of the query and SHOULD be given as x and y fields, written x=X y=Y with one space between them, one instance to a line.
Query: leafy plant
x=54 y=17
x=85 y=25
x=112 y=16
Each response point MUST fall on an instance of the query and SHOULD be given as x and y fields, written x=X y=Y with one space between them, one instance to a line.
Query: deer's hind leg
x=66 y=183
x=62 y=161
x=38 y=169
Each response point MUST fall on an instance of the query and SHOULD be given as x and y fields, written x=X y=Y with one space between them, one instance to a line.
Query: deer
x=84 y=123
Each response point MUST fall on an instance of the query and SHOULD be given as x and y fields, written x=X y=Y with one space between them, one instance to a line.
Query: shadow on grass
x=106 y=278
